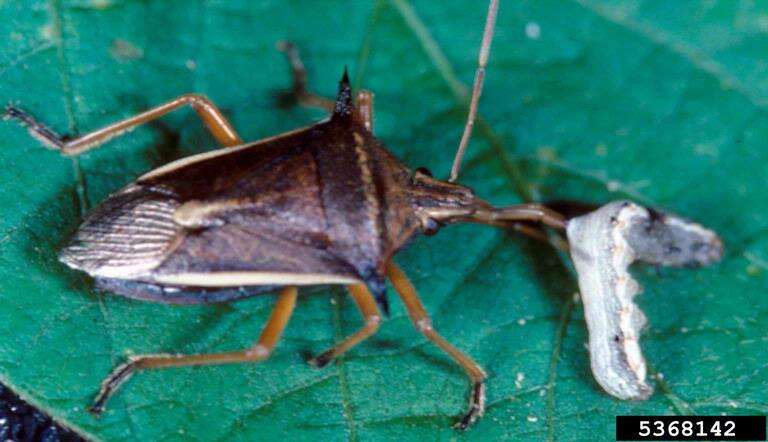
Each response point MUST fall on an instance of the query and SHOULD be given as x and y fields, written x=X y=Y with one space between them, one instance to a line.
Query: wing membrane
x=126 y=236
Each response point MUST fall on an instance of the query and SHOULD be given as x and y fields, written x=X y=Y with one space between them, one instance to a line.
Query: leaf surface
x=663 y=103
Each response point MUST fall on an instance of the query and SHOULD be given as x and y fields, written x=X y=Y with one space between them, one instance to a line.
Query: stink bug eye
x=430 y=227
x=420 y=173
x=424 y=171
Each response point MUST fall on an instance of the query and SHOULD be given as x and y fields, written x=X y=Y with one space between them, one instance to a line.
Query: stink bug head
x=435 y=202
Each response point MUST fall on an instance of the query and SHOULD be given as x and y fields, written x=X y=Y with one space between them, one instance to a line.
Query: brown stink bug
x=324 y=204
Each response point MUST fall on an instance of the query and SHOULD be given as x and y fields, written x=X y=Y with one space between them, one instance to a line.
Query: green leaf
x=660 y=102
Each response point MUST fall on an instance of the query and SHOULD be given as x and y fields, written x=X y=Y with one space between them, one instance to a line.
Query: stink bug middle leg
x=372 y=317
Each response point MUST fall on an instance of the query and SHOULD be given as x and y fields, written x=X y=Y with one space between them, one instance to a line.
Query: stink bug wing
x=251 y=253
x=269 y=226
x=133 y=231
x=126 y=236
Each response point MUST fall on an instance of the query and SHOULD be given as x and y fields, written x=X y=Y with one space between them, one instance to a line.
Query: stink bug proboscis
x=323 y=204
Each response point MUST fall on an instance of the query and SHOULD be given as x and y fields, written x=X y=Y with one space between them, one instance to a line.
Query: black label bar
x=750 y=428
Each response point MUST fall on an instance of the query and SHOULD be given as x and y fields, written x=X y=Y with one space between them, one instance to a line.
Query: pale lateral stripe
x=232 y=279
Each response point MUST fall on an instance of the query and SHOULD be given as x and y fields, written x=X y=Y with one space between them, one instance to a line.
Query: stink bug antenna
x=344 y=105
x=477 y=88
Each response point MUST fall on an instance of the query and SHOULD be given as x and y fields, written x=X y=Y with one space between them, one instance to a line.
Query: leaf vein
x=696 y=57
x=562 y=328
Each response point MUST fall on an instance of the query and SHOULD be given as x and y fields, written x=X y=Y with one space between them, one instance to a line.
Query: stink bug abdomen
x=168 y=294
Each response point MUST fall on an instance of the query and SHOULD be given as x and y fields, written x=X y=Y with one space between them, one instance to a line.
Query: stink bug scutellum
x=325 y=204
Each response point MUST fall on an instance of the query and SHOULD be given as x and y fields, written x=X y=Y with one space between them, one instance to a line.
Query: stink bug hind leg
x=260 y=351
x=37 y=129
x=212 y=117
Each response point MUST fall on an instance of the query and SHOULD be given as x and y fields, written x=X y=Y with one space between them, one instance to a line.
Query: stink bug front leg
x=214 y=120
x=423 y=324
x=299 y=92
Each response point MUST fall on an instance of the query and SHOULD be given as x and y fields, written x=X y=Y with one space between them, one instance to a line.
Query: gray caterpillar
x=603 y=244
